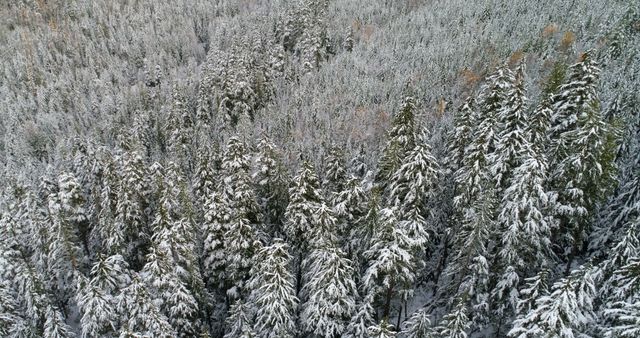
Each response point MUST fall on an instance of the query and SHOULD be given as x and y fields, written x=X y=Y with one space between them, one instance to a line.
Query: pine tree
x=335 y=173
x=391 y=268
x=456 y=323
x=469 y=269
x=363 y=319
x=98 y=313
x=401 y=138
x=410 y=188
x=461 y=135
x=274 y=292
x=130 y=203
x=239 y=321
x=382 y=330
x=179 y=128
x=563 y=312
x=418 y=325
x=525 y=230
x=512 y=138
x=270 y=178
x=240 y=247
x=66 y=208
x=217 y=223
x=55 y=325
x=330 y=293
x=142 y=316
x=350 y=209
x=304 y=198
x=582 y=152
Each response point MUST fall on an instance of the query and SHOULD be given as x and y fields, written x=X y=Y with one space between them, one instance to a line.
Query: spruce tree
x=330 y=293
x=391 y=270
x=401 y=138
x=273 y=292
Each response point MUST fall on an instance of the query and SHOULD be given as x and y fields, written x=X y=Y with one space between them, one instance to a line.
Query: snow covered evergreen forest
x=320 y=168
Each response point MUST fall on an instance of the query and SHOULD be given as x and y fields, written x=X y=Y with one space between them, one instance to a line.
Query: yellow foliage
x=549 y=30
x=568 y=38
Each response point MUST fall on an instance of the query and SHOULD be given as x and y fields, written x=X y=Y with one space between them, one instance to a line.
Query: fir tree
x=418 y=325
x=456 y=323
x=382 y=330
x=363 y=319
x=217 y=223
x=239 y=321
x=563 y=312
x=142 y=316
x=270 y=178
x=330 y=293
x=391 y=270
x=274 y=292
x=401 y=138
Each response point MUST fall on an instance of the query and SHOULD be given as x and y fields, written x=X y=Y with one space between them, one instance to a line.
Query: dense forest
x=320 y=168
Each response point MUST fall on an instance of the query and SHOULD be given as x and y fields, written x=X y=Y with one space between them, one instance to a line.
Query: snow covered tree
x=410 y=188
x=563 y=312
x=237 y=187
x=512 y=138
x=240 y=247
x=418 y=325
x=141 y=316
x=382 y=330
x=456 y=323
x=391 y=270
x=65 y=210
x=363 y=319
x=273 y=292
x=239 y=322
x=130 y=204
x=525 y=227
x=179 y=127
x=330 y=293
x=351 y=206
x=304 y=198
x=401 y=138
x=461 y=135
x=271 y=181
x=335 y=173
x=582 y=153
x=217 y=223
x=97 y=308
x=55 y=325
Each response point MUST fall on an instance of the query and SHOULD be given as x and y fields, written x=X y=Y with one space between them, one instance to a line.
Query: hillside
x=321 y=168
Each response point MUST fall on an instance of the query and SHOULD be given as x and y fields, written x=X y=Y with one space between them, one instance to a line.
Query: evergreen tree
x=418 y=325
x=410 y=188
x=98 y=313
x=512 y=139
x=270 y=178
x=563 y=312
x=391 y=270
x=304 y=198
x=382 y=330
x=217 y=223
x=363 y=319
x=141 y=315
x=335 y=173
x=456 y=323
x=274 y=292
x=330 y=293
x=461 y=135
x=401 y=138
x=55 y=325
x=350 y=209
x=582 y=156
x=239 y=321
